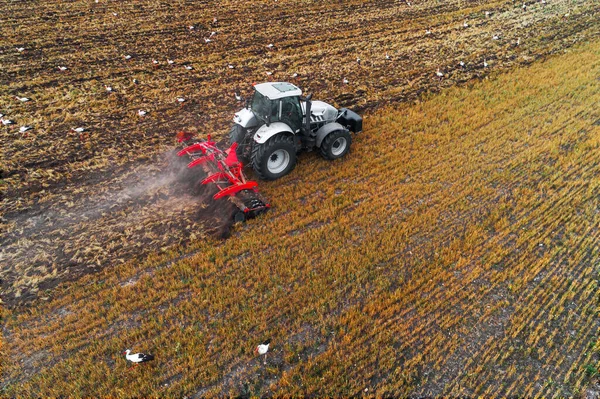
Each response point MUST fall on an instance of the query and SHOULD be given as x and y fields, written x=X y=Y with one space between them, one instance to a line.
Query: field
x=65 y=194
x=454 y=251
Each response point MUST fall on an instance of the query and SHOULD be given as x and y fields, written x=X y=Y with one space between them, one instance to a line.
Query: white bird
x=212 y=34
x=439 y=73
x=270 y=45
x=78 y=129
x=188 y=67
x=137 y=357
x=23 y=129
x=294 y=75
x=155 y=62
x=358 y=60
x=524 y=6
x=181 y=99
x=207 y=40
x=170 y=62
x=215 y=20
x=408 y=3
x=462 y=64
x=127 y=57
x=387 y=57
x=115 y=14
x=465 y=24
x=345 y=81
x=191 y=27
x=543 y=1
x=518 y=42
x=20 y=49
x=485 y=64
x=269 y=73
x=263 y=348
x=6 y=122
x=135 y=81
x=238 y=97
x=141 y=112
x=487 y=14
x=230 y=66
x=108 y=88
x=428 y=31
x=62 y=68
x=22 y=99
x=496 y=37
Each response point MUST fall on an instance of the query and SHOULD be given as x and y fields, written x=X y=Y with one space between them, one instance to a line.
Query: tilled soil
x=76 y=202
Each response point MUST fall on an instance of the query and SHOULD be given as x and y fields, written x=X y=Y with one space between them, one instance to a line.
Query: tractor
x=278 y=123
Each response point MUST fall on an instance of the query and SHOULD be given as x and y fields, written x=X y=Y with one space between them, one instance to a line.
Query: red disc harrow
x=224 y=170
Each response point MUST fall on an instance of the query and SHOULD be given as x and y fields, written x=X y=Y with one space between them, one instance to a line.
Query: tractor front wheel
x=275 y=158
x=336 y=144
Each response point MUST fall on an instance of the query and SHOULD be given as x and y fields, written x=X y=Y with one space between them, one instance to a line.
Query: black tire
x=238 y=134
x=266 y=159
x=336 y=144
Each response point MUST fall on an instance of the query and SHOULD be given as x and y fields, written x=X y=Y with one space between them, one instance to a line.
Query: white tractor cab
x=278 y=122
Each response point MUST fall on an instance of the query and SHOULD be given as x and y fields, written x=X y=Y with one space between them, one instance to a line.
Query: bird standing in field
x=62 y=68
x=238 y=97
x=439 y=74
x=22 y=99
x=20 y=49
x=141 y=112
x=6 y=122
x=263 y=348
x=137 y=358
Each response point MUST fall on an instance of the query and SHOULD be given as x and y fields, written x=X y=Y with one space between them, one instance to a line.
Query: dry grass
x=61 y=204
x=454 y=251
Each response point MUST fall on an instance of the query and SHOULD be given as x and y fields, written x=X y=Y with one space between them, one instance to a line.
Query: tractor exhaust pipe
x=307 y=118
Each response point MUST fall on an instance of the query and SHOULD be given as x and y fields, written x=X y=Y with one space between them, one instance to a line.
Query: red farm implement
x=224 y=170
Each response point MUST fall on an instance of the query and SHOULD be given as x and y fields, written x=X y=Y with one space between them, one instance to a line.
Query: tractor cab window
x=291 y=113
x=263 y=108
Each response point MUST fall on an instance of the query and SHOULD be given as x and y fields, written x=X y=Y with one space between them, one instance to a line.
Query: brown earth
x=74 y=203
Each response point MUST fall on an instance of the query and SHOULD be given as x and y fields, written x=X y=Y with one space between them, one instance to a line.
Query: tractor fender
x=245 y=118
x=326 y=129
x=265 y=132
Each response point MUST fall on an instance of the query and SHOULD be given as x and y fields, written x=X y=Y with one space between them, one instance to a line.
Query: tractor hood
x=320 y=111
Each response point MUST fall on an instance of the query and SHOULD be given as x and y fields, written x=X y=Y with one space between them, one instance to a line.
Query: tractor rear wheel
x=275 y=158
x=336 y=144
x=237 y=134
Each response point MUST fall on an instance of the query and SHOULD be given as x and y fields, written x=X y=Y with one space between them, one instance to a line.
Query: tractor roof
x=275 y=90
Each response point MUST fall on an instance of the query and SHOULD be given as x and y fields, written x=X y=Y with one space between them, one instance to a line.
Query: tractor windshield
x=263 y=108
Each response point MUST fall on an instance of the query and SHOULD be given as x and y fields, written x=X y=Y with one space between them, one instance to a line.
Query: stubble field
x=454 y=251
